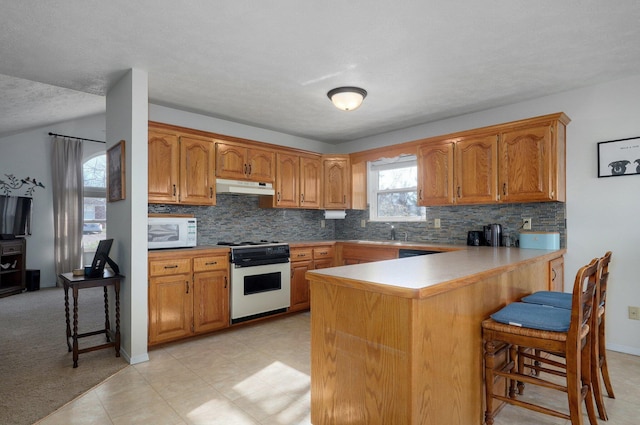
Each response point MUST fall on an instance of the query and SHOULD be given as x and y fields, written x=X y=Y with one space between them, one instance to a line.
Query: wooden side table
x=80 y=282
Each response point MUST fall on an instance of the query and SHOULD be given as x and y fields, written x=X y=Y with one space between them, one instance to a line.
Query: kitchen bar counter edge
x=428 y=275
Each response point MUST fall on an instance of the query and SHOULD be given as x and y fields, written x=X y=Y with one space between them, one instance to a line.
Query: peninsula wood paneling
x=384 y=359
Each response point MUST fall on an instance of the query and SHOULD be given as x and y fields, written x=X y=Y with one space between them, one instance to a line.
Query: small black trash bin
x=32 y=280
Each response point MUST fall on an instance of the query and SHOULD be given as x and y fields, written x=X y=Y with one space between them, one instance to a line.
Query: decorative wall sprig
x=14 y=183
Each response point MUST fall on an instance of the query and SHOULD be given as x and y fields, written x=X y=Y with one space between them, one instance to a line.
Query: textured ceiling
x=270 y=64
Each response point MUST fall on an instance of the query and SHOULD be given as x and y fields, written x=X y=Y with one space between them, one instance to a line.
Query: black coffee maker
x=493 y=234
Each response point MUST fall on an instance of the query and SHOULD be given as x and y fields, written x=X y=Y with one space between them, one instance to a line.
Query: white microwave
x=172 y=232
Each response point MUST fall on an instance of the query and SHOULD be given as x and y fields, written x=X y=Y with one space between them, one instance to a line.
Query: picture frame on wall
x=619 y=157
x=116 y=181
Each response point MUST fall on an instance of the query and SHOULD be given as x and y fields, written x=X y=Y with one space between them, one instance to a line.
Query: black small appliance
x=475 y=238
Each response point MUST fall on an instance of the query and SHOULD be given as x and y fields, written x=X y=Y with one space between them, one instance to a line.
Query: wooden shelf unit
x=13 y=255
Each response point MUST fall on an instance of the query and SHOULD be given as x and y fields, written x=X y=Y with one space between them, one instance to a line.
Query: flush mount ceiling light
x=347 y=98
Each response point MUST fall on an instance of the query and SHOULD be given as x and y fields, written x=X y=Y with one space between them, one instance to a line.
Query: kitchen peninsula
x=399 y=341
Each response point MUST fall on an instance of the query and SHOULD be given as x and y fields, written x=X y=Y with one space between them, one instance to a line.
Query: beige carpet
x=36 y=370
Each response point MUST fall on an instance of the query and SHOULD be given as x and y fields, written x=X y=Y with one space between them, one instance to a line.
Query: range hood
x=244 y=187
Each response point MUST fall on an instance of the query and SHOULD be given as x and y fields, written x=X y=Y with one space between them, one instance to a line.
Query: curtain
x=67 y=204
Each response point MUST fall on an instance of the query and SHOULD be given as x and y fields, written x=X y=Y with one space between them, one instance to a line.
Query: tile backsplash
x=456 y=221
x=238 y=218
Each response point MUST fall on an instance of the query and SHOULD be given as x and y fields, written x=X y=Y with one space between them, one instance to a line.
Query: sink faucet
x=393 y=233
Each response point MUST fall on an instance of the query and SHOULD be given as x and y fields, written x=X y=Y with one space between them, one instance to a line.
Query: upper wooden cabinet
x=435 y=173
x=287 y=180
x=310 y=182
x=297 y=185
x=164 y=167
x=181 y=169
x=238 y=161
x=532 y=162
x=337 y=182
x=476 y=170
x=197 y=171
x=522 y=161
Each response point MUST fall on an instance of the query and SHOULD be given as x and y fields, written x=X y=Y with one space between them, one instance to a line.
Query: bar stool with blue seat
x=598 y=349
x=550 y=329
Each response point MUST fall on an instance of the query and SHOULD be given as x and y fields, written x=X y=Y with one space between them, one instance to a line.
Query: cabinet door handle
x=225 y=282
x=175 y=266
x=174 y=190
x=211 y=192
x=211 y=263
x=278 y=197
x=553 y=279
x=504 y=188
x=187 y=282
x=344 y=199
x=249 y=169
x=302 y=198
x=246 y=169
x=458 y=191
x=420 y=194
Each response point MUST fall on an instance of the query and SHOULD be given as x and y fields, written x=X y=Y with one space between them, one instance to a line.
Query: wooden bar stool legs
x=529 y=327
x=598 y=348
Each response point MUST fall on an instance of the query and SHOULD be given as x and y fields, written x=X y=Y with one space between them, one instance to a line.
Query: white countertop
x=426 y=275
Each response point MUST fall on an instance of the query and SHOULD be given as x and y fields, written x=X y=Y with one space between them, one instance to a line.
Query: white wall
x=228 y=128
x=601 y=213
x=28 y=154
x=127 y=118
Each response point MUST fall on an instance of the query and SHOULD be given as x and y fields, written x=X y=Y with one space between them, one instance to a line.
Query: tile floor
x=259 y=375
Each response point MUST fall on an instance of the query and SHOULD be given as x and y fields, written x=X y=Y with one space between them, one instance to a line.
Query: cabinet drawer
x=322 y=252
x=169 y=267
x=11 y=249
x=203 y=264
x=298 y=254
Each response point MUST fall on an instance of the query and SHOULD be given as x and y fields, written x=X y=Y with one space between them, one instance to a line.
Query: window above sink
x=392 y=189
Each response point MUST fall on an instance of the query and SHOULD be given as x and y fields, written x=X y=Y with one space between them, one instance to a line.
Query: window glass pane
x=392 y=189
x=397 y=178
x=94 y=172
x=94 y=227
x=399 y=204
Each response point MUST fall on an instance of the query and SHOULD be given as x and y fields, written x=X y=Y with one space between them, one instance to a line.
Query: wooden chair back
x=601 y=296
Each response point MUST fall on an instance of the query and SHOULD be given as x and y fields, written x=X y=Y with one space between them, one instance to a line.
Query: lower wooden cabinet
x=556 y=274
x=188 y=294
x=357 y=254
x=211 y=302
x=304 y=259
x=170 y=307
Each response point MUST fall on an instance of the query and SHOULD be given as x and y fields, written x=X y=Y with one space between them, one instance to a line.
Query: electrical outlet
x=436 y=223
x=363 y=223
x=526 y=224
x=634 y=313
x=322 y=224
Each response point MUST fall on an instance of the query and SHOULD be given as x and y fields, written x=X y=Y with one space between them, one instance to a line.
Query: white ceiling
x=270 y=63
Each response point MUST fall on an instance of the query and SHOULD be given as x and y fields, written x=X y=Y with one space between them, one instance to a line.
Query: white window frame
x=373 y=168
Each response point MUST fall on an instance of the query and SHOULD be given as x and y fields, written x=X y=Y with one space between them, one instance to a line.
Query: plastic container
x=540 y=240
